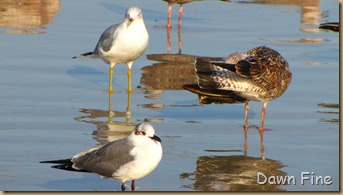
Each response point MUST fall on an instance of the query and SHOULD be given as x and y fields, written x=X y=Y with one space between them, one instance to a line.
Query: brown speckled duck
x=260 y=74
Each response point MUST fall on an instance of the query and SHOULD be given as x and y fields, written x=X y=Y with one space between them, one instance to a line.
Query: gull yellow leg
x=110 y=90
x=129 y=80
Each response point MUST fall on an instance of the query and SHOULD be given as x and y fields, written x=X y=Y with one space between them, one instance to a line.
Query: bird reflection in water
x=112 y=128
x=246 y=146
x=226 y=97
x=234 y=172
x=27 y=16
x=172 y=72
x=309 y=11
x=330 y=114
x=310 y=16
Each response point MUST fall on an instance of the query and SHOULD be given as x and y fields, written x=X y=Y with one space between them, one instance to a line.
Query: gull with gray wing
x=130 y=158
x=122 y=43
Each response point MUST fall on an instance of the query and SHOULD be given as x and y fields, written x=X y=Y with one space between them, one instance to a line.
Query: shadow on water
x=85 y=182
x=27 y=16
x=82 y=73
x=109 y=123
x=236 y=172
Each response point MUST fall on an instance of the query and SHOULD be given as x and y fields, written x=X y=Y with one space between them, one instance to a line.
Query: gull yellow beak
x=131 y=20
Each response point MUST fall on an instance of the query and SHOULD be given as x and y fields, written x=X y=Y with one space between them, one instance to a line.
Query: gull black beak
x=156 y=138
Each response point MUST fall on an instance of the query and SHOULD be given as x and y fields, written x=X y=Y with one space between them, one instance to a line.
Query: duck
x=259 y=74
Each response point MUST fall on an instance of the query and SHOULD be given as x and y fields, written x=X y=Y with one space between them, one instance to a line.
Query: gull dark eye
x=143 y=133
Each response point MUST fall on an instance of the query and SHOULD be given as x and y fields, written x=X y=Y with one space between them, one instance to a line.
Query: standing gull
x=260 y=74
x=122 y=43
x=125 y=159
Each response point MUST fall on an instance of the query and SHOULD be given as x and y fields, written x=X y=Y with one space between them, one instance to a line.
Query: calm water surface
x=53 y=107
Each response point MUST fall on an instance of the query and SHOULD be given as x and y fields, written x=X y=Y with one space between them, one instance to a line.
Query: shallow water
x=53 y=107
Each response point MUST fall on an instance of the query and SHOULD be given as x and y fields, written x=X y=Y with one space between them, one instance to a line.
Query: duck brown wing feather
x=267 y=68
